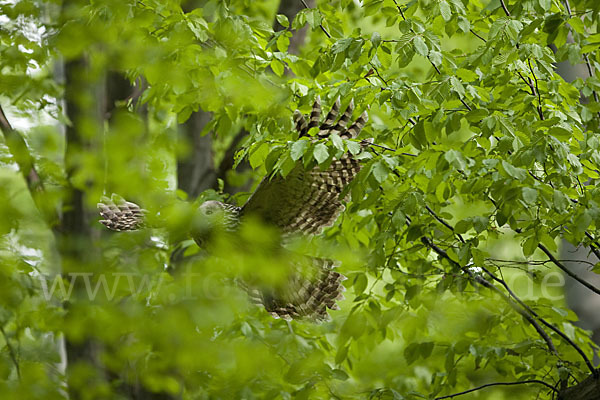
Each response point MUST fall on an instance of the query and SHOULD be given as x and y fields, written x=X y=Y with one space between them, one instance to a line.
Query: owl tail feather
x=304 y=297
x=120 y=215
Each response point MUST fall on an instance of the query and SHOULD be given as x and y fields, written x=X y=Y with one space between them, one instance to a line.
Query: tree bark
x=196 y=172
x=588 y=389
x=290 y=9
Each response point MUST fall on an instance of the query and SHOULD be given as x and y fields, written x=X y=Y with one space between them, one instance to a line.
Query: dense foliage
x=483 y=147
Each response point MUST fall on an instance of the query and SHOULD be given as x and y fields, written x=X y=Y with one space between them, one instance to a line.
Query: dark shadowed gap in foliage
x=290 y=9
x=196 y=171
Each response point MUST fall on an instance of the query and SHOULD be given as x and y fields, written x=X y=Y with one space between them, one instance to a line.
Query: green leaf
x=412 y=352
x=321 y=153
x=561 y=201
x=380 y=171
x=425 y=349
x=298 y=149
x=445 y=10
x=545 y=4
x=341 y=45
x=514 y=172
x=530 y=195
x=376 y=39
x=530 y=246
x=360 y=283
x=353 y=147
x=313 y=17
x=283 y=20
x=341 y=354
x=456 y=159
x=277 y=67
x=258 y=155
x=337 y=141
x=583 y=221
x=420 y=46
x=436 y=58
x=464 y=24
x=339 y=375
x=467 y=76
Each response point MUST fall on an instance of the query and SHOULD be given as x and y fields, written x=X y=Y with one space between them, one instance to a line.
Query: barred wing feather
x=307 y=201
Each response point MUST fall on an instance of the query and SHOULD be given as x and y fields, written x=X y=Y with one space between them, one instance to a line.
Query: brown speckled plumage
x=304 y=202
x=121 y=215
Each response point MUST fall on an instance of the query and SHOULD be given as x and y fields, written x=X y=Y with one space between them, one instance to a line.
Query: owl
x=301 y=203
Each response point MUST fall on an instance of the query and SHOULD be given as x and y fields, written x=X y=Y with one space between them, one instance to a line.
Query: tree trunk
x=196 y=172
x=74 y=233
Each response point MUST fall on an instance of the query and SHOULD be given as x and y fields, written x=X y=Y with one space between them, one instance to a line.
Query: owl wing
x=308 y=293
x=307 y=201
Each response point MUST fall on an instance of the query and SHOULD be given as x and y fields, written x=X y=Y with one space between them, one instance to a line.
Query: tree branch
x=537 y=90
x=490 y=286
x=504 y=8
x=524 y=310
x=537 y=327
x=321 y=25
x=499 y=384
x=20 y=152
x=431 y=62
x=441 y=221
x=11 y=352
x=587 y=361
x=477 y=36
x=567 y=271
x=594 y=246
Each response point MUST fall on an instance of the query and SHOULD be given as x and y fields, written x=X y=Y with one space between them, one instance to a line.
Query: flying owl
x=303 y=202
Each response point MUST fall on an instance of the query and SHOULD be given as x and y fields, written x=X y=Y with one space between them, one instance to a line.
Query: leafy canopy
x=491 y=149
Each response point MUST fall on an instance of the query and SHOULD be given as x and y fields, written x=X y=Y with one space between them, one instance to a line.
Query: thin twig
x=400 y=10
x=377 y=73
x=504 y=8
x=537 y=90
x=429 y=59
x=381 y=147
x=476 y=35
x=524 y=310
x=499 y=384
x=11 y=352
x=465 y=104
x=594 y=245
x=527 y=83
x=531 y=312
x=441 y=221
x=567 y=271
x=321 y=25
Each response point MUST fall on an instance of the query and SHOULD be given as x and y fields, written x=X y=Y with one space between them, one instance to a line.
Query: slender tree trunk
x=74 y=232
